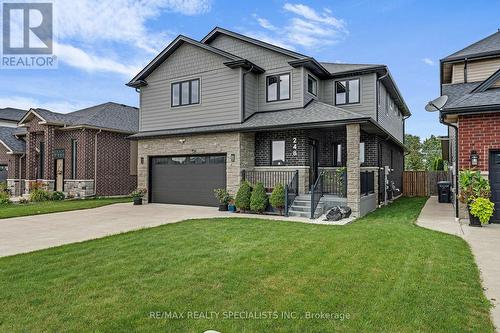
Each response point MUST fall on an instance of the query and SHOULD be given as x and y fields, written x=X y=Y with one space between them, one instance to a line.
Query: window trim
x=278 y=99
x=336 y=163
x=284 y=152
x=180 y=93
x=347 y=91
x=74 y=158
x=309 y=76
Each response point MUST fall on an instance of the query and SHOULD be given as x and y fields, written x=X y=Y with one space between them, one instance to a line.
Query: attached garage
x=186 y=180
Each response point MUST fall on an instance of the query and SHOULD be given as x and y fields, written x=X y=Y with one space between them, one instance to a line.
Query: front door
x=59 y=175
x=495 y=184
x=313 y=161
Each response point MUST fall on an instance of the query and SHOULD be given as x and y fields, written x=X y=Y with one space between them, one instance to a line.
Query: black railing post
x=286 y=200
x=296 y=182
x=313 y=206
x=243 y=175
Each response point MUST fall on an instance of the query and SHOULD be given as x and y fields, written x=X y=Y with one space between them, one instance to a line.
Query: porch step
x=301 y=206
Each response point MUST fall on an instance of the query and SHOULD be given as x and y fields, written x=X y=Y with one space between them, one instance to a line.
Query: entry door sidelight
x=313 y=161
x=59 y=175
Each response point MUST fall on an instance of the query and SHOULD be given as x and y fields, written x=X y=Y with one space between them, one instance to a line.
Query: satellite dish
x=437 y=104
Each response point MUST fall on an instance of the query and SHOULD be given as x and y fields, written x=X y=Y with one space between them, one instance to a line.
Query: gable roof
x=10 y=141
x=12 y=114
x=488 y=83
x=485 y=47
x=108 y=116
x=138 y=80
x=218 y=31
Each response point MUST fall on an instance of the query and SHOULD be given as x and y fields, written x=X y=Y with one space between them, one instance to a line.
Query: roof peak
x=486 y=46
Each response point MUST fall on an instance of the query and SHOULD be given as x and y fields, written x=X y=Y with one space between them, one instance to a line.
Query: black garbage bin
x=444 y=191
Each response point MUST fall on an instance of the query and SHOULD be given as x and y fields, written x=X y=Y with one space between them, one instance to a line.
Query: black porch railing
x=335 y=182
x=269 y=178
x=291 y=191
x=367 y=179
x=316 y=193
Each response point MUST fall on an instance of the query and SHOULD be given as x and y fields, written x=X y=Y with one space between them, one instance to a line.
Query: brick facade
x=480 y=133
x=114 y=175
x=11 y=161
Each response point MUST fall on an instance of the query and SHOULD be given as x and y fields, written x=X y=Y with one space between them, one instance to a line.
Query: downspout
x=377 y=93
x=95 y=162
x=465 y=70
x=243 y=92
x=441 y=120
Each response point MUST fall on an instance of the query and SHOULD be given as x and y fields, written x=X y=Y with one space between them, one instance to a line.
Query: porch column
x=31 y=155
x=353 y=169
x=48 y=137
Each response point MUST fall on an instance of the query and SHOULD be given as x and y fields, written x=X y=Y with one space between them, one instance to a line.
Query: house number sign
x=294 y=146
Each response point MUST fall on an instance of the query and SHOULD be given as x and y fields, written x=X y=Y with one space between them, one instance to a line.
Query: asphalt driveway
x=30 y=233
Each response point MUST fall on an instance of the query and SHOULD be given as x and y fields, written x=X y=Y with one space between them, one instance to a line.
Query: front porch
x=320 y=167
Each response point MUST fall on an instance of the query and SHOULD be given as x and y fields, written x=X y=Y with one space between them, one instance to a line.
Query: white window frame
x=273 y=150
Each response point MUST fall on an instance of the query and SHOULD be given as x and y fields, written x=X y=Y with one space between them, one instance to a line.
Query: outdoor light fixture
x=474 y=158
x=233 y=157
x=142 y=160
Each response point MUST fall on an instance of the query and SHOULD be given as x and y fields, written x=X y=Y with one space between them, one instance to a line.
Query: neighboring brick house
x=10 y=148
x=470 y=78
x=82 y=153
x=230 y=107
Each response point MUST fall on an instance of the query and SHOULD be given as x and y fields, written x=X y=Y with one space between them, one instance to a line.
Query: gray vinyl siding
x=251 y=94
x=391 y=121
x=273 y=63
x=220 y=91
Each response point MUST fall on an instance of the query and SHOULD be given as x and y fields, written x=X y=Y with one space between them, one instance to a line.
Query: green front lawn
x=379 y=274
x=35 y=208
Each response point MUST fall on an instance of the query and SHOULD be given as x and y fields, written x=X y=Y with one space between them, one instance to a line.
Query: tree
x=277 y=198
x=242 y=200
x=438 y=164
x=431 y=150
x=258 y=200
x=414 y=157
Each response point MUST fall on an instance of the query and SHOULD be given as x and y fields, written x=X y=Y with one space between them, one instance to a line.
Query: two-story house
x=470 y=78
x=230 y=107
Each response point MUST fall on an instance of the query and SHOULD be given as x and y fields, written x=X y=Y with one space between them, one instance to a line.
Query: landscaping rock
x=338 y=213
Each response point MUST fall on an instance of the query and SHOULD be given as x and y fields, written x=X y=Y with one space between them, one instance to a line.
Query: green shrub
x=243 y=196
x=277 y=198
x=4 y=198
x=222 y=196
x=258 y=199
x=57 y=196
x=473 y=185
x=483 y=209
x=38 y=195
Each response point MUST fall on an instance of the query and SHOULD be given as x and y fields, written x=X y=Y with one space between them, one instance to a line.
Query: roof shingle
x=490 y=44
x=12 y=114
x=7 y=136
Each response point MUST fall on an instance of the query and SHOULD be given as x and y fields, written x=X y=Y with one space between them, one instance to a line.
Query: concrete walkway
x=30 y=233
x=484 y=242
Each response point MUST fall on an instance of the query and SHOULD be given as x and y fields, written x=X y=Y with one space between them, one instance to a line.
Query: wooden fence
x=423 y=183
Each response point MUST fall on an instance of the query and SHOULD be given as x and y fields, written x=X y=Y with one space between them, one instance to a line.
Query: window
x=337 y=154
x=278 y=87
x=41 y=168
x=347 y=92
x=361 y=152
x=185 y=93
x=278 y=153
x=74 y=147
x=389 y=105
x=312 y=85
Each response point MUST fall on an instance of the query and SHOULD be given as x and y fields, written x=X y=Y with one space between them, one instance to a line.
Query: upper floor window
x=186 y=92
x=278 y=87
x=347 y=92
x=312 y=85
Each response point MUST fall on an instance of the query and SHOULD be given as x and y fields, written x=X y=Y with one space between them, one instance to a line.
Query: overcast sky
x=102 y=44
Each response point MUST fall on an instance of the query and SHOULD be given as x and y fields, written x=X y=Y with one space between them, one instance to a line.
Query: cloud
x=74 y=56
x=428 y=61
x=306 y=28
x=92 y=34
x=25 y=103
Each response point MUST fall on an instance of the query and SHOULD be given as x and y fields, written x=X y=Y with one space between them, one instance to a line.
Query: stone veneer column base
x=15 y=187
x=46 y=184
x=353 y=169
x=79 y=188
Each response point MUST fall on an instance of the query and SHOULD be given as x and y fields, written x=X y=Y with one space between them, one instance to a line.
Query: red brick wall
x=113 y=165
x=12 y=162
x=480 y=133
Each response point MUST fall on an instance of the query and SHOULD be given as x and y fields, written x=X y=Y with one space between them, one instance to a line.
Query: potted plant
x=475 y=193
x=224 y=198
x=232 y=207
x=138 y=194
